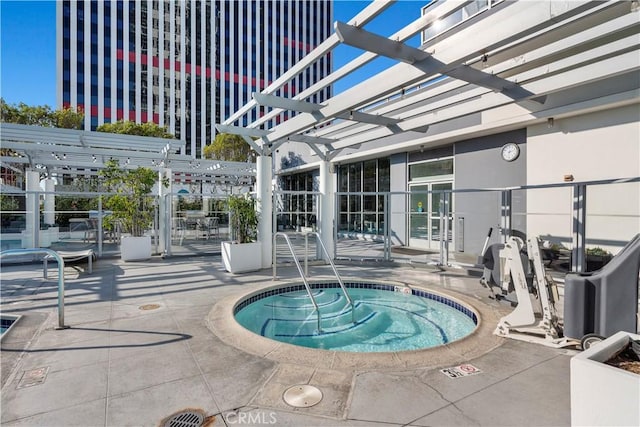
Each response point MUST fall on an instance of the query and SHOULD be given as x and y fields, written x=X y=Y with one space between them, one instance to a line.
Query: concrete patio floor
x=139 y=349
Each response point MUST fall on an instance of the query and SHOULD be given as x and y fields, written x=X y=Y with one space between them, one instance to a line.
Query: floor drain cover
x=185 y=419
x=302 y=396
x=33 y=377
x=149 y=307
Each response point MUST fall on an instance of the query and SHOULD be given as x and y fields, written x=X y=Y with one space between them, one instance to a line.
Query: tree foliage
x=243 y=219
x=132 y=128
x=9 y=203
x=131 y=202
x=228 y=147
x=41 y=115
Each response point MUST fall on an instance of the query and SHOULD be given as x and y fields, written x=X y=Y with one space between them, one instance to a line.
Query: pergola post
x=164 y=212
x=49 y=201
x=264 y=177
x=32 y=208
x=327 y=191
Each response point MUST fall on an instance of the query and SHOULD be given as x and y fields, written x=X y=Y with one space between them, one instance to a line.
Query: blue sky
x=28 y=46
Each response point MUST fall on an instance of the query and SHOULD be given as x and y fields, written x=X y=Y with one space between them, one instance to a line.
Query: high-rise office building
x=186 y=64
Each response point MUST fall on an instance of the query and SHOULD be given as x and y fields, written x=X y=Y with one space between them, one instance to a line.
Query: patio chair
x=208 y=226
x=179 y=229
x=114 y=233
x=214 y=226
x=91 y=233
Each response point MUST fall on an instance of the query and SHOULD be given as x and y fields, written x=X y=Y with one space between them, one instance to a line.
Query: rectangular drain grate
x=33 y=377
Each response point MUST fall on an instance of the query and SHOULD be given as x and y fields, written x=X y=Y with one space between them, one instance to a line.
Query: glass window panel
x=436 y=197
x=369 y=203
x=355 y=203
x=343 y=225
x=288 y=202
x=370 y=176
x=355 y=222
x=343 y=204
x=343 y=179
x=370 y=225
x=384 y=172
x=430 y=169
x=355 y=177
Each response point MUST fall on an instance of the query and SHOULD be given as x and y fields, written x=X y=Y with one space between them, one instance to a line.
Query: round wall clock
x=510 y=151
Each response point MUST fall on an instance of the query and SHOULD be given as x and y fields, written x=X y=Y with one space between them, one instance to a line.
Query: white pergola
x=42 y=152
x=495 y=67
x=58 y=152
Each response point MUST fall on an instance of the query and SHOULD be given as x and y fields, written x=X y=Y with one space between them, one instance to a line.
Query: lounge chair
x=70 y=256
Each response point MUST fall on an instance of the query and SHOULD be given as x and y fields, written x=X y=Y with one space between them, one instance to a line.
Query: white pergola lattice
x=496 y=67
x=63 y=151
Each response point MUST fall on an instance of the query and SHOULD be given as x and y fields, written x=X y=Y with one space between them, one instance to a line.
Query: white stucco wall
x=601 y=145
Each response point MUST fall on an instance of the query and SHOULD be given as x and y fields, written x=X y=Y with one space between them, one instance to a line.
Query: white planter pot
x=45 y=238
x=54 y=232
x=603 y=395
x=135 y=248
x=241 y=257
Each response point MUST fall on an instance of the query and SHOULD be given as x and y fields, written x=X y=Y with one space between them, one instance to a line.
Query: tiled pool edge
x=363 y=284
x=222 y=323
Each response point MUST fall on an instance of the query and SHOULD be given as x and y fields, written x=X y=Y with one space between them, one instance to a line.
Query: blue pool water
x=10 y=244
x=5 y=324
x=385 y=319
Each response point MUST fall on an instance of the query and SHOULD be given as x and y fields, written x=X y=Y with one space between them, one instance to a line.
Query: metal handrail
x=302 y=275
x=58 y=258
x=333 y=267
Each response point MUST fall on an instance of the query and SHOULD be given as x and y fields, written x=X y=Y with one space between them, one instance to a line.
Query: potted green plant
x=132 y=207
x=242 y=253
x=596 y=258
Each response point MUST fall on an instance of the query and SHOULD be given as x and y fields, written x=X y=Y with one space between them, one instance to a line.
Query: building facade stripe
x=184 y=64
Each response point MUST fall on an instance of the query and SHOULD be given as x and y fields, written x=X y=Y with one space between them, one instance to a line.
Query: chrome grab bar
x=302 y=275
x=58 y=258
x=333 y=267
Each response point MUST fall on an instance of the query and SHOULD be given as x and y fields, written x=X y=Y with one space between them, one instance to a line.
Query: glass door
x=424 y=214
x=419 y=216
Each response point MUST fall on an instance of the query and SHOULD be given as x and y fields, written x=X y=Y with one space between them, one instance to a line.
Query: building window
x=298 y=210
x=430 y=169
x=363 y=213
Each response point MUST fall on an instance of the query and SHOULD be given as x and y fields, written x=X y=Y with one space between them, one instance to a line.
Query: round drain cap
x=302 y=396
x=191 y=418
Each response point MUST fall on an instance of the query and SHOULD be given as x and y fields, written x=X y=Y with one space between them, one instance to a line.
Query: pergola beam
x=252 y=143
x=445 y=9
x=87 y=139
x=366 y=15
x=285 y=103
x=373 y=119
x=533 y=17
x=308 y=139
x=455 y=89
x=242 y=131
x=365 y=40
